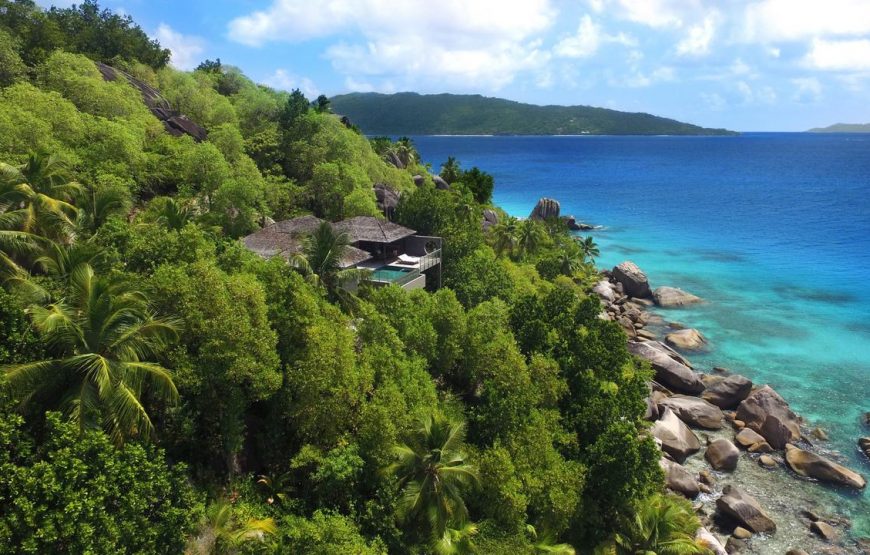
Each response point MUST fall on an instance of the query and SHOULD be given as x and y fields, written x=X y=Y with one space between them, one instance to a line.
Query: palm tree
x=406 y=151
x=221 y=531
x=545 y=543
x=321 y=260
x=96 y=204
x=456 y=541
x=172 y=213
x=505 y=236
x=432 y=473
x=276 y=487
x=103 y=335
x=588 y=248
x=42 y=190
x=663 y=525
x=451 y=170
x=529 y=236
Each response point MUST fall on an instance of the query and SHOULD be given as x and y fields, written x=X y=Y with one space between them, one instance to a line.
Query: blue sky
x=780 y=65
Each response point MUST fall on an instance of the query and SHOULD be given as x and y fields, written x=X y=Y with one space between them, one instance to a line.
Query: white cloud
x=656 y=13
x=284 y=80
x=468 y=43
x=794 y=20
x=639 y=79
x=588 y=39
x=759 y=95
x=714 y=101
x=839 y=55
x=807 y=89
x=697 y=41
x=186 y=49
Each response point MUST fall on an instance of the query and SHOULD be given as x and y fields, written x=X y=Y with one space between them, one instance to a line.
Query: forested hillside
x=164 y=390
x=454 y=114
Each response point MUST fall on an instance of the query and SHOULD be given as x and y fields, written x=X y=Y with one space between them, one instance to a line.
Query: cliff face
x=176 y=124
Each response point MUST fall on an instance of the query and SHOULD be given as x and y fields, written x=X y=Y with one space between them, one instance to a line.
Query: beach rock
x=734 y=545
x=722 y=455
x=742 y=507
x=823 y=530
x=768 y=414
x=747 y=438
x=741 y=533
x=677 y=439
x=419 y=180
x=796 y=551
x=545 y=209
x=811 y=465
x=695 y=411
x=708 y=540
x=706 y=477
x=652 y=411
x=865 y=419
x=688 y=339
x=667 y=297
x=632 y=278
x=440 y=183
x=864 y=444
x=678 y=479
x=767 y=461
x=819 y=434
x=604 y=290
x=668 y=372
x=646 y=334
x=728 y=392
x=761 y=447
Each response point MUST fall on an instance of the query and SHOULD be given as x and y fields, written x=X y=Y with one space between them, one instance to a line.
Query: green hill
x=452 y=114
x=843 y=128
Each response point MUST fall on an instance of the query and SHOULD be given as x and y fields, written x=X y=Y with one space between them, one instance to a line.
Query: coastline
x=804 y=518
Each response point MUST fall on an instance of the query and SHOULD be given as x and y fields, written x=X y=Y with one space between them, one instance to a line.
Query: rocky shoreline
x=752 y=443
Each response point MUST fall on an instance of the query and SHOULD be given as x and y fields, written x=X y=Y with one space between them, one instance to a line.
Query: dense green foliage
x=216 y=402
x=452 y=114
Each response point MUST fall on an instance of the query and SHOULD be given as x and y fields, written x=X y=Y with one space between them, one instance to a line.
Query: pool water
x=389 y=274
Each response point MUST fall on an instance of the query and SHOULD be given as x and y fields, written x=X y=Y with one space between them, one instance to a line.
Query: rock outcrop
x=811 y=465
x=728 y=392
x=695 y=411
x=419 y=180
x=722 y=455
x=545 y=209
x=387 y=199
x=768 y=414
x=490 y=218
x=632 y=278
x=678 y=479
x=864 y=445
x=671 y=296
x=605 y=291
x=669 y=372
x=688 y=339
x=742 y=507
x=748 y=437
x=440 y=183
x=677 y=439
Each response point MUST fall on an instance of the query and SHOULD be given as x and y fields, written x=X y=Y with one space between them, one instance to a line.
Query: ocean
x=771 y=229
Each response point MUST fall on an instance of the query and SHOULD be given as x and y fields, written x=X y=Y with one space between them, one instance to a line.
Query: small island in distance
x=842 y=128
x=409 y=113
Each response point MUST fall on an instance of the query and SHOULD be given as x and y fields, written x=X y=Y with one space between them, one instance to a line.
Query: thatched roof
x=287 y=238
x=373 y=230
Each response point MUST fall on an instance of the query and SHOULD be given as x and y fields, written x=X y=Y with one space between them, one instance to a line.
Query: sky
x=747 y=65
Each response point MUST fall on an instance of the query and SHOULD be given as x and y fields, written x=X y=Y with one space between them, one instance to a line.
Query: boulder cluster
x=682 y=400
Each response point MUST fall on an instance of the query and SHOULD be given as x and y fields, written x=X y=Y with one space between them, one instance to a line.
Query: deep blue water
x=771 y=229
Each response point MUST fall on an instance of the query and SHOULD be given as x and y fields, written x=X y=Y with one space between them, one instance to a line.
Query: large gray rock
x=727 y=393
x=545 y=209
x=440 y=183
x=695 y=411
x=722 y=455
x=671 y=296
x=677 y=439
x=419 y=180
x=688 y=339
x=711 y=542
x=387 y=199
x=768 y=414
x=490 y=216
x=811 y=465
x=678 y=479
x=669 y=372
x=864 y=444
x=632 y=278
x=604 y=290
x=748 y=437
x=743 y=508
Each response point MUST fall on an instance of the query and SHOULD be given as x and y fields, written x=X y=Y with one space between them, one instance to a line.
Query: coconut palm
x=277 y=487
x=321 y=261
x=456 y=541
x=588 y=248
x=41 y=188
x=221 y=531
x=530 y=235
x=103 y=336
x=96 y=204
x=663 y=525
x=406 y=151
x=545 y=543
x=505 y=236
x=173 y=214
x=433 y=473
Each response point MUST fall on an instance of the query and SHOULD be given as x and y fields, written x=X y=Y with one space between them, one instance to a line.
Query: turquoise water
x=389 y=274
x=772 y=230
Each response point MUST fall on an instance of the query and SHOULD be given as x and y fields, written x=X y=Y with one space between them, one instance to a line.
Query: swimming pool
x=390 y=274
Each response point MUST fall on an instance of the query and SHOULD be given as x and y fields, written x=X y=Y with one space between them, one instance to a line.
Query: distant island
x=452 y=114
x=843 y=128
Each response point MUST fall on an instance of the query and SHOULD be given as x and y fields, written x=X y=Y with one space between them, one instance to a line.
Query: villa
x=394 y=254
